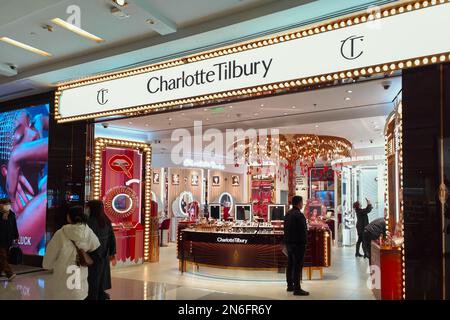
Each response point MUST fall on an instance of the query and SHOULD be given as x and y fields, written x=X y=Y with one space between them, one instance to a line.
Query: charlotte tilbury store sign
x=396 y=38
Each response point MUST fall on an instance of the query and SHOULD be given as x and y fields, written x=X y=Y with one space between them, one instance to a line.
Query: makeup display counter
x=247 y=245
x=388 y=260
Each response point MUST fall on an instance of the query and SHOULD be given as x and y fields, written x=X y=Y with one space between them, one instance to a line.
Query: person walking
x=295 y=237
x=362 y=220
x=68 y=280
x=99 y=278
x=8 y=234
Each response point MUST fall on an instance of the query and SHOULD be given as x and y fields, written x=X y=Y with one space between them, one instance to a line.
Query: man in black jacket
x=362 y=220
x=295 y=237
x=373 y=231
x=8 y=233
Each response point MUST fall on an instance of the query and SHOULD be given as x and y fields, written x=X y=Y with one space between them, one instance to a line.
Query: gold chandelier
x=308 y=148
x=311 y=147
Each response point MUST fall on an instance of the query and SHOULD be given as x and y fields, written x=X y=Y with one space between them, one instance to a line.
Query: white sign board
x=404 y=36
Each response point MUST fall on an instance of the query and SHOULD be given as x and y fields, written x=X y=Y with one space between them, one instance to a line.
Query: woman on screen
x=23 y=178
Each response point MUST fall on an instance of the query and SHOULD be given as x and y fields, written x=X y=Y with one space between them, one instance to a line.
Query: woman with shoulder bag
x=100 y=273
x=67 y=255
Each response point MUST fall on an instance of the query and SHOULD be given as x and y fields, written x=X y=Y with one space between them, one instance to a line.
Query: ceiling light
x=75 y=29
x=293 y=107
x=207 y=119
x=231 y=107
x=25 y=46
x=205 y=109
x=348 y=99
x=256 y=113
x=130 y=122
x=147 y=125
x=285 y=114
x=317 y=125
x=120 y=3
x=262 y=105
x=170 y=119
x=349 y=91
x=183 y=114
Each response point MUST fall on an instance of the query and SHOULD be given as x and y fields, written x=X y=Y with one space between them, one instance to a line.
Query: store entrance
x=218 y=206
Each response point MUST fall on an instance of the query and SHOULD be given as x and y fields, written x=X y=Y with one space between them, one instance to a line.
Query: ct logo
x=101 y=96
x=349 y=48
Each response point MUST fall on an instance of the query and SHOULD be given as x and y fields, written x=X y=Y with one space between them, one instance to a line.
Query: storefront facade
x=363 y=45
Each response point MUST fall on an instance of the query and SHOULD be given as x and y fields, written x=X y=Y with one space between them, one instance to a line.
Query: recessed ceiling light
x=147 y=125
x=349 y=91
x=121 y=3
x=205 y=109
x=293 y=107
x=231 y=107
x=75 y=29
x=207 y=119
x=256 y=113
x=170 y=119
x=285 y=113
x=262 y=105
x=317 y=126
x=183 y=114
x=130 y=122
x=25 y=46
x=348 y=99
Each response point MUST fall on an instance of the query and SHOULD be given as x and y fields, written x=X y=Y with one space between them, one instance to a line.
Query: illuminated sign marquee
x=402 y=36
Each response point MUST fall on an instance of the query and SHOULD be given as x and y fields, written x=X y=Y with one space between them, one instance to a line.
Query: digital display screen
x=24 y=166
x=277 y=212
x=214 y=211
x=243 y=212
x=327 y=198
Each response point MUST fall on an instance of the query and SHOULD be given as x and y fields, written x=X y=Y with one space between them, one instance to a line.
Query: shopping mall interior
x=194 y=124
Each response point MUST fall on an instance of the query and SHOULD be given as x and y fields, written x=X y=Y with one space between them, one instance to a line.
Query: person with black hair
x=8 y=234
x=295 y=238
x=100 y=273
x=69 y=281
x=373 y=231
x=362 y=220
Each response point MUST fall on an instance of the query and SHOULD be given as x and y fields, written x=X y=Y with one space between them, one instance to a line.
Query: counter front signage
x=232 y=240
x=387 y=40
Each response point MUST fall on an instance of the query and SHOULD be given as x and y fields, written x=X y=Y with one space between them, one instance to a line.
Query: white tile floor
x=345 y=280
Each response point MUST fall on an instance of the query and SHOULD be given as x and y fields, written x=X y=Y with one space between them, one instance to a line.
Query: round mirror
x=185 y=199
x=122 y=203
x=226 y=200
x=181 y=203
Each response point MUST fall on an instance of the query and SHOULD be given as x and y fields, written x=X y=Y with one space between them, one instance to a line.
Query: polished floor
x=345 y=280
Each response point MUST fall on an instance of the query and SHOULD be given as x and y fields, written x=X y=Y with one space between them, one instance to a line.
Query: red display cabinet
x=387 y=261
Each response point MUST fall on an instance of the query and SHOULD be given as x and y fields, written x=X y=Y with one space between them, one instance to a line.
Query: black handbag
x=15 y=255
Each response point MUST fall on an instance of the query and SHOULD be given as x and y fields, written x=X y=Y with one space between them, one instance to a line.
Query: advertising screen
x=327 y=198
x=23 y=178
